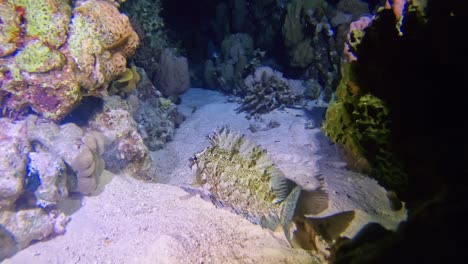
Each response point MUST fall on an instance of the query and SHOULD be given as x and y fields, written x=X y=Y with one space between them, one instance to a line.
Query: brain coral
x=64 y=53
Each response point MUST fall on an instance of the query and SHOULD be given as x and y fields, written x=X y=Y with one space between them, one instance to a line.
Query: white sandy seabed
x=129 y=221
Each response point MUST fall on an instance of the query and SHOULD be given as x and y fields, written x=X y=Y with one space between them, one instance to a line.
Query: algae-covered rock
x=359 y=122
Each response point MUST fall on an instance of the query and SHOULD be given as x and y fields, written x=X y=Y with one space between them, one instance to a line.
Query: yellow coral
x=100 y=39
x=37 y=57
x=108 y=25
x=47 y=20
x=9 y=28
x=126 y=83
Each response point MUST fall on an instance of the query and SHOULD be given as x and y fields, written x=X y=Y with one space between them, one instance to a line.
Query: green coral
x=47 y=20
x=165 y=103
x=81 y=38
x=37 y=57
x=359 y=121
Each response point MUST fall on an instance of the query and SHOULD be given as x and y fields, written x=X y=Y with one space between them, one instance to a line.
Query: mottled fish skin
x=236 y=174
x=240 y=175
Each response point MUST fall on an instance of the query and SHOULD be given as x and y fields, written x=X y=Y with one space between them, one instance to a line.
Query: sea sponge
x=354 y=37
x=173 y=77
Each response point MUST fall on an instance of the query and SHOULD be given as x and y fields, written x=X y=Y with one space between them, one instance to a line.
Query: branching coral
x=266 y=90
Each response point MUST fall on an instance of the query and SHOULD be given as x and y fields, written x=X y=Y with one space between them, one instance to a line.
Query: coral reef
x=42 y=164
x=156 y=116
x=172 y=77
x=26 y=226
x=354 y=7
x=64 y=53
x=147 y=22
x=100 y=40
x=266 y=90
x=304 y=48
x=405 y=63
x=126 y=152
x=126 y=83
x=237 y=58
x=311 y=41
x=361 y=118
x=9 y=28
x=359 y=123
x=156 y=122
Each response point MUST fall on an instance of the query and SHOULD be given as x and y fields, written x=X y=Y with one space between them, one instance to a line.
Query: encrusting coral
x=64 y=53
x=126 y=83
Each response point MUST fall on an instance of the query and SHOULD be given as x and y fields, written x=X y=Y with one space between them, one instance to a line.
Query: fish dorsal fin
x=288 y=211
x=280 y=185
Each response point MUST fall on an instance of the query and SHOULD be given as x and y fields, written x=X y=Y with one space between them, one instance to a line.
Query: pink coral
x=397 y=6
x=355 y=33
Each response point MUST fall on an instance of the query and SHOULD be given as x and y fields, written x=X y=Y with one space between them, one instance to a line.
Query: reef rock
x=51 y=54
x=126 y=152
x=42 y=164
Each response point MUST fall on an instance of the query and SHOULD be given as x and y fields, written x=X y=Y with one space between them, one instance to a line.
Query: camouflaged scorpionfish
x=239 y=175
